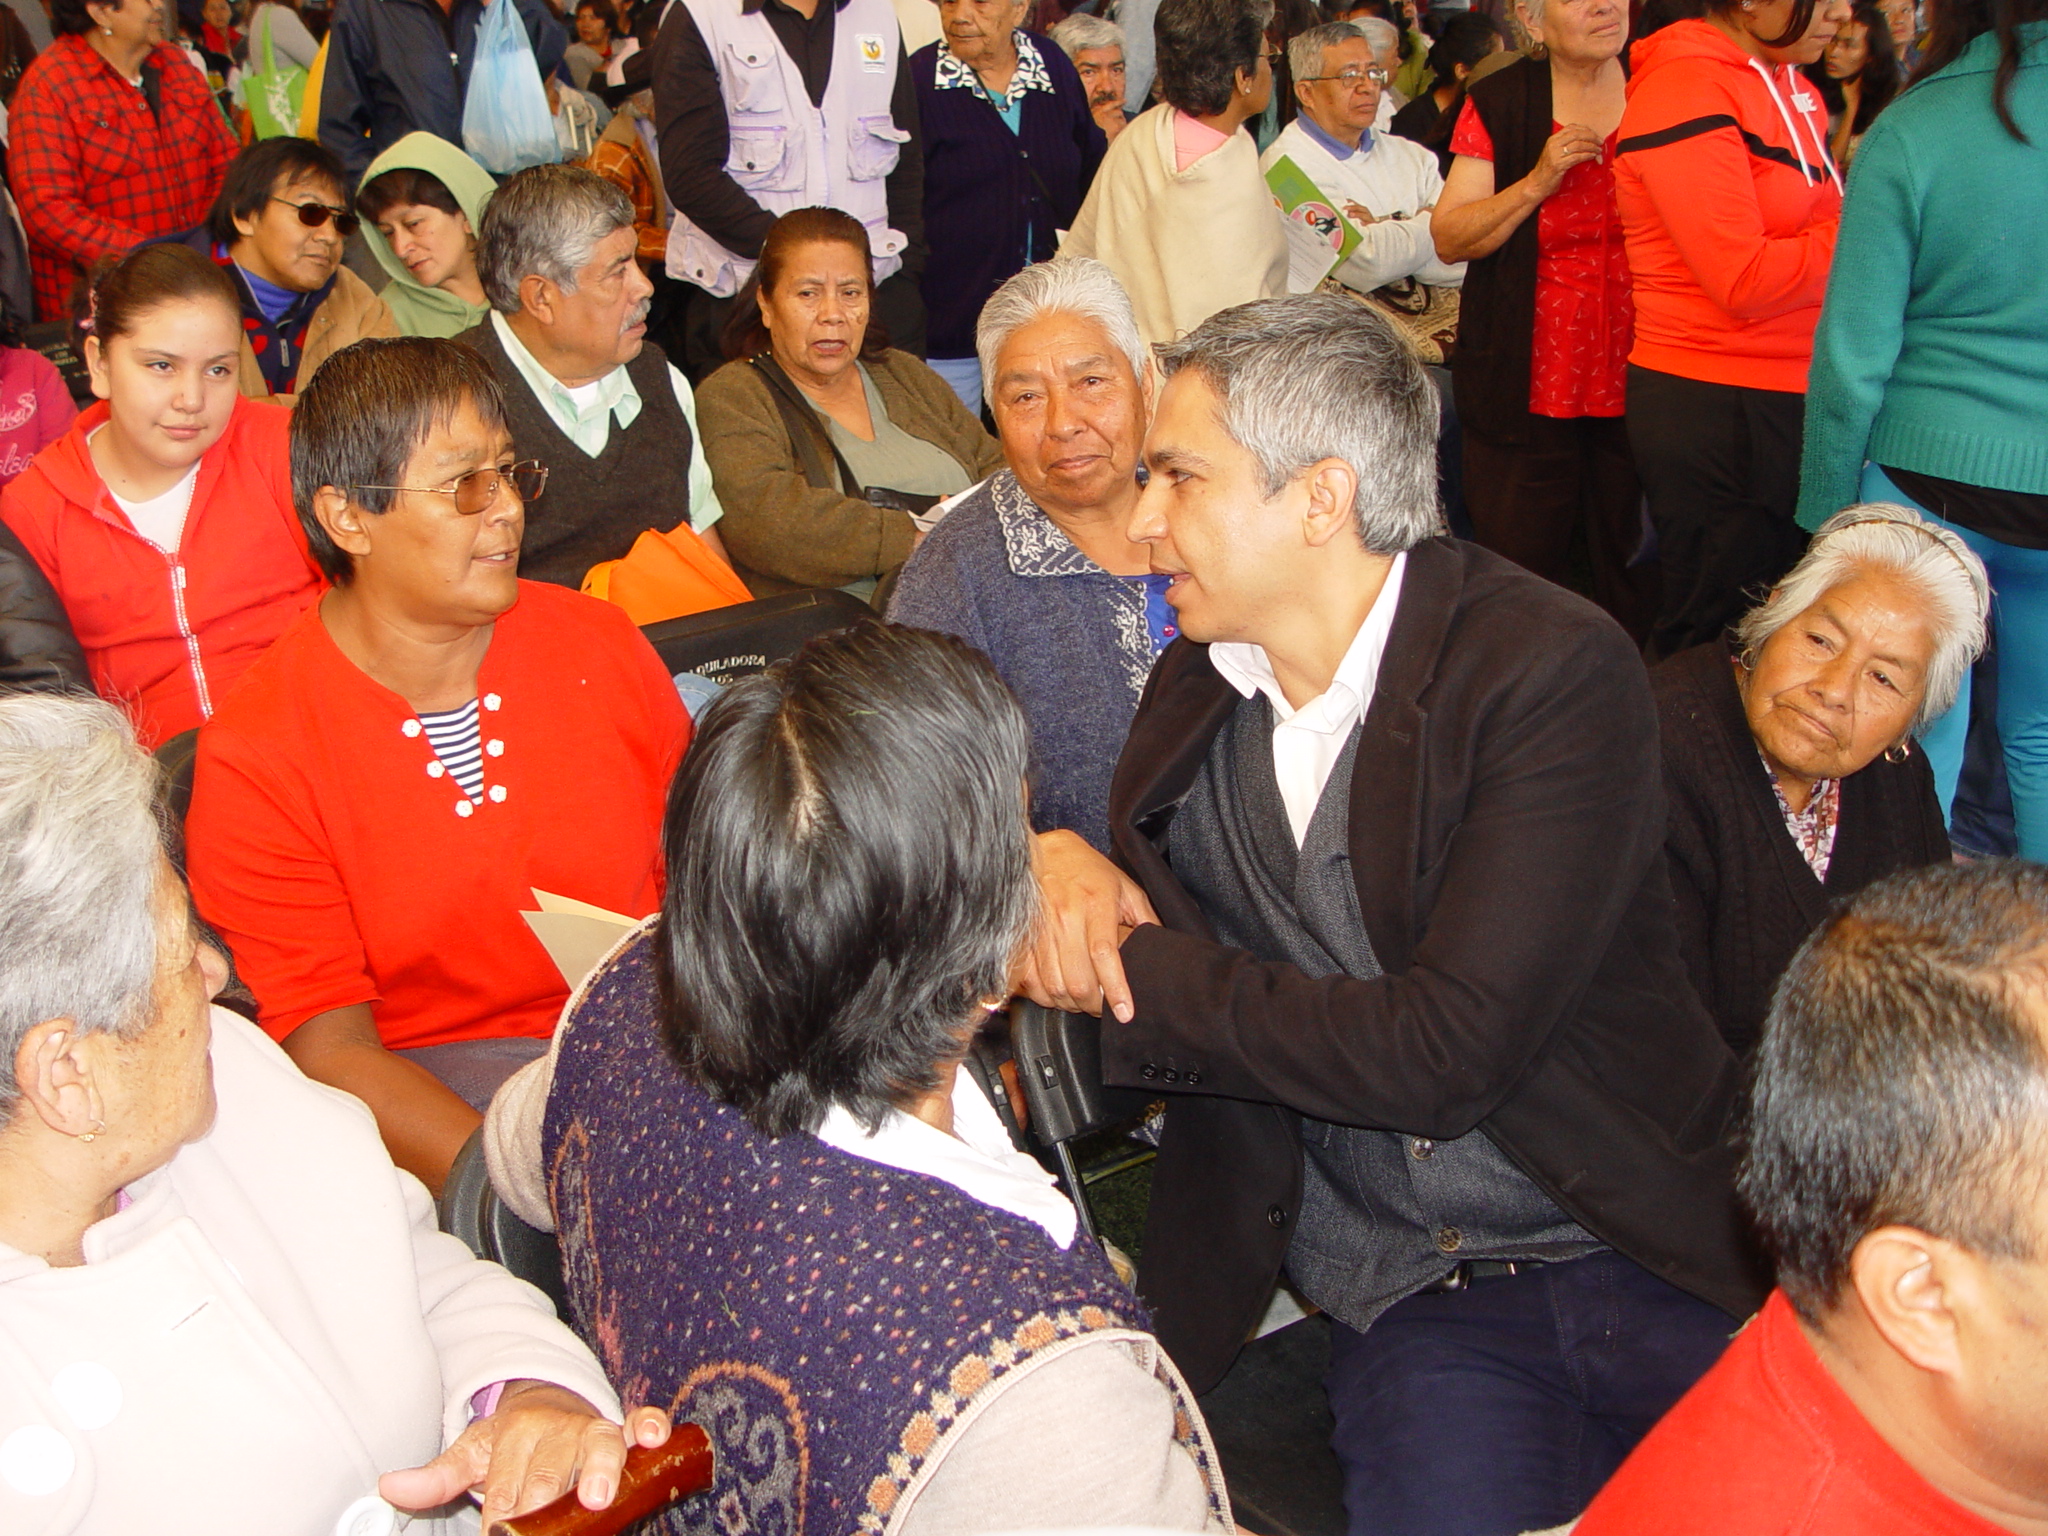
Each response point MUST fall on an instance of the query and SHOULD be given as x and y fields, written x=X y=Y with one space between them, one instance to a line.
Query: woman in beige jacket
x=222 y=1309
x=1179 y=211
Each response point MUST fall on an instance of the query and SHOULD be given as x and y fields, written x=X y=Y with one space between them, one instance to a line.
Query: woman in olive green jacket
x=819 y=437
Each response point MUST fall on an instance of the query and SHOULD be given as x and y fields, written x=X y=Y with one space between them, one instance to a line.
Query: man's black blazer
x=1507 y=829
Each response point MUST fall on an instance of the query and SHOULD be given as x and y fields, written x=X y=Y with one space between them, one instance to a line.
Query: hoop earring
x=91 y=1135
x=1898 y=752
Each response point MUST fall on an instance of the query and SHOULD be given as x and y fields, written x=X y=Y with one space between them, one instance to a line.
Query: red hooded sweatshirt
x=1729 y=204
x=167 y=635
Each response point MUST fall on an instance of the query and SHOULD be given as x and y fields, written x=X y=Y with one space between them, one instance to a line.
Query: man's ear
x=1332 y=507
x=1917 y=1291
x=537 y=297
x=344 y=523
x=54 y=1071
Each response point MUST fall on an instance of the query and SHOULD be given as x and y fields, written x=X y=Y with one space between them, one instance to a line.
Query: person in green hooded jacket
x=422 y=202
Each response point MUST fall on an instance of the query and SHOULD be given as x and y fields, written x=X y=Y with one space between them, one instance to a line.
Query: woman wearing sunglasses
x=420 y=753
x=163 y=517
x=278 y=227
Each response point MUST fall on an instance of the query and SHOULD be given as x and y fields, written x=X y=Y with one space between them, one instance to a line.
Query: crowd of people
x=1457 y=579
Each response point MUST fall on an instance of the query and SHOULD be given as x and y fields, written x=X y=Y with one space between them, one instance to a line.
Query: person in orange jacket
x=1729 y=203
x=164 y=517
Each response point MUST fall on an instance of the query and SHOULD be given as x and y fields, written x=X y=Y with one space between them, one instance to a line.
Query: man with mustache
x=566 y=338
x=1097 y=49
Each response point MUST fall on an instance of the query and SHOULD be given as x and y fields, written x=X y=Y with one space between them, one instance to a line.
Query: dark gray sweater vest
x=594 y=508
x=1382 y=1213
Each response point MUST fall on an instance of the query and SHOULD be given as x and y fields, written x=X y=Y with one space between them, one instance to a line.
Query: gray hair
x=1306 y=49
x=1379 y=33
x=80 y=853
x=1074 y=285
x=1900 y=1078
x=1080 y=32
x=1882 y=535
x=1318 y=376
x=545 y=222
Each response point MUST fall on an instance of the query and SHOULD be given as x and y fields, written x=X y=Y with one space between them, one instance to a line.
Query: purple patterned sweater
x=830 y=1322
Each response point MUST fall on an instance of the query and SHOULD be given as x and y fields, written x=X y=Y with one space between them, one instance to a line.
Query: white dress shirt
x=1308 y=741
x=977 y=1159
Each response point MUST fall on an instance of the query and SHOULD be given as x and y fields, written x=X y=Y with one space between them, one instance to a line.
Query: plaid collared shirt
x=95 y=172
x=626 y=169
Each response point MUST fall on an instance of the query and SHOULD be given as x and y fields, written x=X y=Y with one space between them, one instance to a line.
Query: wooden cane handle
x=652 y=1480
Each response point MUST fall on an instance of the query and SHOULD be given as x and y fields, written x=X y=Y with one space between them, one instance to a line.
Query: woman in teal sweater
x=1930 y=367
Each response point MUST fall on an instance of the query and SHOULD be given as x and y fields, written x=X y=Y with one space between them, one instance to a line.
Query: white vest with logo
x=786 y=153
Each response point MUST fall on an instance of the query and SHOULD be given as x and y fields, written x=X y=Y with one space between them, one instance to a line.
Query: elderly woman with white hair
x=1789 y=761
x=221 y=1307
x=1034 y=565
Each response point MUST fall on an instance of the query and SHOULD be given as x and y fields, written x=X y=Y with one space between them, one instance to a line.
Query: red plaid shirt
x=95 y=173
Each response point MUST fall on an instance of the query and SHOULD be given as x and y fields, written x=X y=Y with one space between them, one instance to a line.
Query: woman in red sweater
x=423 y=750
x=1729 y=203
x=164 y=518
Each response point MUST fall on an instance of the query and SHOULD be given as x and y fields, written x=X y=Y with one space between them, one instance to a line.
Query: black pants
x=898 y=306
x=1720 y=469
x=1529 y=499
x=1504 y=1407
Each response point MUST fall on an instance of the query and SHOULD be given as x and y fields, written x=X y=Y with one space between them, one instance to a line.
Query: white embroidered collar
x=1030 y=75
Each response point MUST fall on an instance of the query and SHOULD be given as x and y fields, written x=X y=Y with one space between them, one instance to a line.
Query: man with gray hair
x=585 y=392
x=1393 y=933
x=1097 y=49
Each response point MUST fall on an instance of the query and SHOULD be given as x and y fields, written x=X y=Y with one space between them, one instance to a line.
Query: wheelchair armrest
x=1059 y=1065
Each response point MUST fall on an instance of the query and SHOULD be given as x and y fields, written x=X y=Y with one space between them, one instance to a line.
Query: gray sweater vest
x=594 y=508
x=1382 y=1214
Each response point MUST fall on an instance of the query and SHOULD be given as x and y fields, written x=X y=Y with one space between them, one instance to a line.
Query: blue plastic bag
x=506 y=125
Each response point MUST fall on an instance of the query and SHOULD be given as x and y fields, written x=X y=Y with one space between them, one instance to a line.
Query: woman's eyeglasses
x=477 y=491
x=313 y=215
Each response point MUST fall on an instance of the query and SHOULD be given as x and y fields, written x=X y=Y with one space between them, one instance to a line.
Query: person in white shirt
x=585 y=392
x=1390 y=928
x=1384 y=185
x=222 y=1309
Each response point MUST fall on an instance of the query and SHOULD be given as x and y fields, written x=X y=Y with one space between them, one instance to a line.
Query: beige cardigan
x=1185 y=244
x=783 y=534
x=270 y=1323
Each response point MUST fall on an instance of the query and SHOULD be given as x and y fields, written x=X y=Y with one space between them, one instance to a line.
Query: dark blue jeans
x=1503 y=1408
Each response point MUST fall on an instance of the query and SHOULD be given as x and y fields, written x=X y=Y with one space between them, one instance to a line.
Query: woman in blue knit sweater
x=1930 y=367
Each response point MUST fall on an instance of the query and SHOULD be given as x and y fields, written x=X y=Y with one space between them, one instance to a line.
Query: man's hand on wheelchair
x=1086 y=908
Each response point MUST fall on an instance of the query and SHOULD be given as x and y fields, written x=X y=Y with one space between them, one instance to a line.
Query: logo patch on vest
x=872 y=58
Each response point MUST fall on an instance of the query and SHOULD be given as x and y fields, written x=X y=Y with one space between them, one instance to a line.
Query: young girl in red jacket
x=164 y=517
